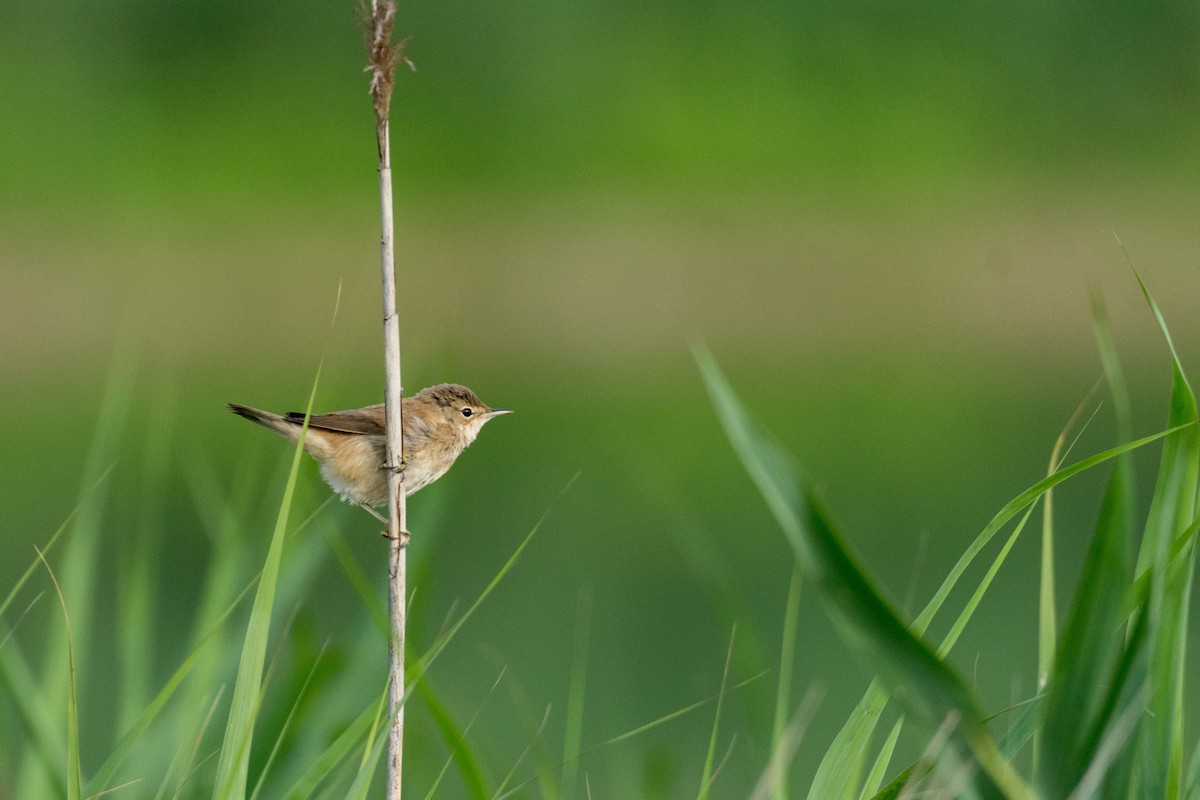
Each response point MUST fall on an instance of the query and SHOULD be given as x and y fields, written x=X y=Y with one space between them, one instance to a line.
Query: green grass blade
x=180 y=751
x=461 y=751
x=783 y=690
x=361 y=788
x=418 y=670
x=337 y=752
x=234 y=765
x=108 y=769
x=843 y=761
x=1172 y=510
x=1193 y=780
x=865 y=620
x=573 y=734
x=879 y=769
x=783 y=749
x=1023 y=728
x=840 y=770
x=53 y=540
x=478 y=787
x=74 y=771
x=44 y=741
x=893 y=790
x=1091 y=643
x=638 y=731
x=1047 y=618
x=135 y=592
x=707 y=776
x=537 y=747
x=287 y=724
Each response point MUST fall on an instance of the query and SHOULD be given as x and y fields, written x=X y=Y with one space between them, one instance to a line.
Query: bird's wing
x=369 y=420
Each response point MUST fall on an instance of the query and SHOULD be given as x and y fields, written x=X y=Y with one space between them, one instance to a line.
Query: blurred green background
x=886 y=219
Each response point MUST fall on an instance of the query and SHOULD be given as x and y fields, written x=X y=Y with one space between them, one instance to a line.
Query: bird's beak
x=495 y=412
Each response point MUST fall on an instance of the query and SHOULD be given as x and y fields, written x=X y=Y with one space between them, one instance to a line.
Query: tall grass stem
x=384 y=53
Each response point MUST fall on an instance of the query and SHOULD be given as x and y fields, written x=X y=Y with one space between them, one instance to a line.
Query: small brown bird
x=351 y=445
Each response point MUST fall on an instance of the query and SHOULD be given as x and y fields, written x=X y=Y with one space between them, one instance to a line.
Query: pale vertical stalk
x=397 y=507
x=384 y=54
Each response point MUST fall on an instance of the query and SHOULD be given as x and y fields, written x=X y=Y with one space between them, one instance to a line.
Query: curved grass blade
x=783 y=749
x=74 y=772
x=1090 y=646
x=707 y=776
x=1172 y=511
x=461 y=751
x=865 y=620
x=234 y=765
x=287 y=723
x=630 y=734
x=109 y=768
x=879 y=769
x=418 y=670
x=477 y=787
x=842 y=763
x=361 y=786
x=783 y=689
x=337 y=752
x=573 y=735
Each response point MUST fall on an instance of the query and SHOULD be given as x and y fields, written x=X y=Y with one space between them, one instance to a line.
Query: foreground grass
x=253 y=709
x=1110 y=717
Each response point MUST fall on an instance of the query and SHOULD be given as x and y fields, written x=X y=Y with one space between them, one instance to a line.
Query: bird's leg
x=399 y=468
x=404 y=535
x=373 y=513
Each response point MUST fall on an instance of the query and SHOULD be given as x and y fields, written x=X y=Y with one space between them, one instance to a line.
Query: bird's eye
x=467 y=411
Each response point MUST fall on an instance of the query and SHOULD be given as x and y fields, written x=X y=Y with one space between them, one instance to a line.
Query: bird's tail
x=284 y=427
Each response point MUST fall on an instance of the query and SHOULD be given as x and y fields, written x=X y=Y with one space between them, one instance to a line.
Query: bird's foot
x=402 y=538
x=398 y=468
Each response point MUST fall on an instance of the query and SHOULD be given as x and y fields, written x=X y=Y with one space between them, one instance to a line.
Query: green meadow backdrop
x=888 y=221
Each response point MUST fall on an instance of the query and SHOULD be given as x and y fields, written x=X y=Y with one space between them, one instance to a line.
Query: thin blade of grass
x=78 y=570
x=418 y=670
x=783 y=749
x=864 y=618
x=287 y=723
x=1193 y=781
x=537 y=743
x=361 y=786
x=74 y=771
x=191 y=751
x=576 y=690
x=839 y=773
x=1090 y=644
x=109 y=768
x=783 y=690
x=1047 y=618
x=1172 y=510
x=639 y=730
x=234 y=764
x=1110 y=747
x=875 y=777
x=53 y=540
x=461 y=751
x=479 y=787
x=843 y=761
x=135 y=592
x=707 y=775
x=535 y=740
x=337 y=752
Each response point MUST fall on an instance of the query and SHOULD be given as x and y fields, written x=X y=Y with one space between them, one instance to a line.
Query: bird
x=351 y=446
